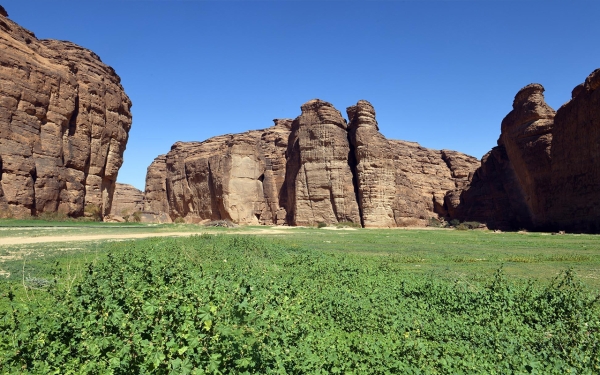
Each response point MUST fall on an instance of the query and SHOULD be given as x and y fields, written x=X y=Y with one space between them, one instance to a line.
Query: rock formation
x=230 y=177
x=126 y=200
x=64 y=123
x=544 y=173
x=318 y=172
x=314 y=169
x=400 y=181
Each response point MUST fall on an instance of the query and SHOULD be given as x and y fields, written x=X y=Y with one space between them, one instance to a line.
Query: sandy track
x=92 y=237
x=127 y=236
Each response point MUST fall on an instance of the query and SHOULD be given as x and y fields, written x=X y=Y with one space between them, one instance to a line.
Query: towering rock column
x=387 y=196
x=318 y=175
x=527 y=136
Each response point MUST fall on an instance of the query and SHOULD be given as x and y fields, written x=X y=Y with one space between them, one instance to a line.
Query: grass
x=473 y=255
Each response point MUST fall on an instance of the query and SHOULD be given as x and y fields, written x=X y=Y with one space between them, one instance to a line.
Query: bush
x=52 y=216
x=246 y=305
x=137 y=216
x=454 y=222
x=93 y=211
x=348 y=224
x=435 y=222
x=179 y=220
x=321 y=224
x=220 y=223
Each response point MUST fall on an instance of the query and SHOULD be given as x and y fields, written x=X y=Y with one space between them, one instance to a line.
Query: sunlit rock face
x=231 y=177
x=64 y=124
x=317 y=168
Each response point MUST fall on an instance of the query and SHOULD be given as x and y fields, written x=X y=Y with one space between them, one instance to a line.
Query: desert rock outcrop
x=126 y=200
x=314 y=169
x=544 y=172
x=64 y=123
x=231 y=177
x=318 y=173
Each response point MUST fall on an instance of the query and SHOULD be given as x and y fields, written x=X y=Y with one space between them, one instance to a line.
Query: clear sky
x=441 y=73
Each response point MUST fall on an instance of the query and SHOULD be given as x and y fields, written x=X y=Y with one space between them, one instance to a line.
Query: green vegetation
x=244 y=305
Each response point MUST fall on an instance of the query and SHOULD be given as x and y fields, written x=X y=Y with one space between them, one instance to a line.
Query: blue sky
x=441 y=73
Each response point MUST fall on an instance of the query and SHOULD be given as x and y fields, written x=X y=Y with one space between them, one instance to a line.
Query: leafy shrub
x=321 y=224
x=246 y=305
x=454 y=222
x=435 y=222
x=93 y=212
x=179 y=220
x=348 y=224
x=52 y=216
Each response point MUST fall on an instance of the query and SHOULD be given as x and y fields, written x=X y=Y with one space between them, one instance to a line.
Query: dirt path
x=127 y=236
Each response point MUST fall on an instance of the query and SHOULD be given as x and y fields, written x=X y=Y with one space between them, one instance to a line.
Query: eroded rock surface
x=319 y=176
x=544 y=172
x=314 y=169
x=64 y=123
x=231 y=177
x=127 y=200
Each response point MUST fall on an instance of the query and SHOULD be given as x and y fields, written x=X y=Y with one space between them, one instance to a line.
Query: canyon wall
x=64 y=123
x=544 y=173
x=317 y=168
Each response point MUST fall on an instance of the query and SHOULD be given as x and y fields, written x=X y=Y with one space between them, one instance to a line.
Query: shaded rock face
x=574 y=202
x=64 y=123
x=314 y=169
x=544 y=172
x=126 y=200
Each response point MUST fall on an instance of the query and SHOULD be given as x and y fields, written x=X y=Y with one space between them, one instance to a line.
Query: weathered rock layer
x=64 y=123
x=314 y=169
x=544 y=173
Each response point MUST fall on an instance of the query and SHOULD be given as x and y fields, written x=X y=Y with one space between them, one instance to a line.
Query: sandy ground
x=127 y=236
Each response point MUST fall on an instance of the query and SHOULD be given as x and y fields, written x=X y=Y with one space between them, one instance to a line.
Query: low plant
x=93 y=212
x=52 y=216
x=348 y=224
x=220 y=223
x=321 y=224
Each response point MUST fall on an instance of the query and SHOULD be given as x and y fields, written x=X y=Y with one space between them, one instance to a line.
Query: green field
x=303 y=300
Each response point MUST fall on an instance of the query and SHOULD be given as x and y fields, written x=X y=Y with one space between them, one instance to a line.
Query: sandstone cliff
x=314 y=169
x=544 y=172
x=64 y=123
x=127 y=200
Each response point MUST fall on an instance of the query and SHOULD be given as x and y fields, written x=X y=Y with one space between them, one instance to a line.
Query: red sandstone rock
x=544 y=173
x=64 y=123
x=318 y=176
x=126 y=200
x=231 y=177
x=305 y=172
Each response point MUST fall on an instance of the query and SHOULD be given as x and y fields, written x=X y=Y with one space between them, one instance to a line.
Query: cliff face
x=64 y=123
x=314 y=169
x=401 y=181
x=126 y=200
x=574 y=202
x=230 y=177
x=544 y=173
